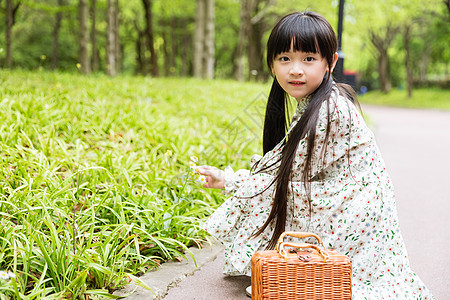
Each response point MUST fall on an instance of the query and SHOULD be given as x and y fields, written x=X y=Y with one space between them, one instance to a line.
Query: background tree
x=209 y=39
x=165 y=32
x=204 y=43
x=117 y=41
x=241 y=46
x=409 y=73
x=256 y=11
x=438 y=35
x=410 y=19
x=382 y=41
x=10 y=11
x=111 y=35
x=9 y=23
x=83 y=13
x=382 y=22
x=181 y=20
x=139 y=47
x=95 y=57
x=199 y=38
x=154 y=69
x=55 y=34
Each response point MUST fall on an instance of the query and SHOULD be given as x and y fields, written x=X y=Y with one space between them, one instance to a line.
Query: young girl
x=322 y=173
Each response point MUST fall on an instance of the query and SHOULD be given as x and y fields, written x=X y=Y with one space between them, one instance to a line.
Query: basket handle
x=299 y=235
x=282 y=251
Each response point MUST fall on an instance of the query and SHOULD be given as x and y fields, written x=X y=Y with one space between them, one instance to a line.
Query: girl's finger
x=202 y=170
x=205 y=170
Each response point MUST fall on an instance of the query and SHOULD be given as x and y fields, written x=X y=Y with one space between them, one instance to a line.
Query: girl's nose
x=296 y=69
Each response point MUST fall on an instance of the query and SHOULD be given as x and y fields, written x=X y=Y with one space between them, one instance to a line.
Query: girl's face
x=300 y=73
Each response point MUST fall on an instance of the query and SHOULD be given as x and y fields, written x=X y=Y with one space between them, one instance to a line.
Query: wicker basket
x=306 y=271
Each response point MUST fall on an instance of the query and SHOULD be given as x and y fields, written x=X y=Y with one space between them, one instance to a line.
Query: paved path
x=416 y=147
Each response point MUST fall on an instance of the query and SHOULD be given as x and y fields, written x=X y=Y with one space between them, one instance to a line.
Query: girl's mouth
x=296 y=83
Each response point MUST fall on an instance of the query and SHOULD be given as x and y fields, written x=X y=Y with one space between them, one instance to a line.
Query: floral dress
x=352 y=200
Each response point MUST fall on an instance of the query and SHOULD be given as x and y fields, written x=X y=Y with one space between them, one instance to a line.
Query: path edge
x=169 y=274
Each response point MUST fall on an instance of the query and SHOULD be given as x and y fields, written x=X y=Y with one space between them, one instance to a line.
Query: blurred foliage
x=432 y=98
x=174 y=26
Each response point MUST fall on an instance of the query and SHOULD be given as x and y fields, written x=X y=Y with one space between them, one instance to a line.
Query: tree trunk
x=424 y=62
x=110 y=40
x=10 y=20
x=382 y=44
x=139 y=48
x=240 y=48
x=149 y=35
x=255 y=53
x=139 y=58
x=83 y=12
x=255 y=26
x=209 y=40
x=164 y=24
x=204 y=39
x=186 y=63
x=95 y=51
x=173 y=53
x=117 y=45
x=383 y=71
x=199 y=38
x=8 y=33
x=55 y=35
x=409 y=72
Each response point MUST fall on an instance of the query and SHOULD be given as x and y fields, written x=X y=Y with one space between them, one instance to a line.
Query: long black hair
x=306 y=32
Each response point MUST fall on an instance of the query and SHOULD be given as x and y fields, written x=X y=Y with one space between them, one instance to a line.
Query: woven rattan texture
x=274 y=277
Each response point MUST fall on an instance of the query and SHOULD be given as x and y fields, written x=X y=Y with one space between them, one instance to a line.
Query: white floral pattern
x=353 y=206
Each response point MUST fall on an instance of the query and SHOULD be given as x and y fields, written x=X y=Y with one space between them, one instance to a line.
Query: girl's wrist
x=228 y=182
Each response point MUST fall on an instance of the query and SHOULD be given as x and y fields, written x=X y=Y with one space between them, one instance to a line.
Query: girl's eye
x=309 y=58
x=284 y=58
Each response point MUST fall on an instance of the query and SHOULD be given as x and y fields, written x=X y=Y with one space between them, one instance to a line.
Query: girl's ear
x=335 y=58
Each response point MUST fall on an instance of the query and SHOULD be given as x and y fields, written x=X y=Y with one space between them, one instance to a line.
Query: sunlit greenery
x=174 y=25
x=95 y=179
x=421 y=98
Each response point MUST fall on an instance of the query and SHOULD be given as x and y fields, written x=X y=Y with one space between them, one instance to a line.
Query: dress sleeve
x=233 y=180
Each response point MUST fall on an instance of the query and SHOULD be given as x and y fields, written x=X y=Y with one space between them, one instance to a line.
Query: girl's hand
x=215 y=178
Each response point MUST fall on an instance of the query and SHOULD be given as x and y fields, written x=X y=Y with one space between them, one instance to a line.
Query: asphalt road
x=416 y=148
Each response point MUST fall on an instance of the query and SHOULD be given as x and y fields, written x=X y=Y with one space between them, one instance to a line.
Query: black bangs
x=306 y=32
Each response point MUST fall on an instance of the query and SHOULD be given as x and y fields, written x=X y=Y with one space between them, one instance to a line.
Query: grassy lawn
x=95 y=185
x=421 y=98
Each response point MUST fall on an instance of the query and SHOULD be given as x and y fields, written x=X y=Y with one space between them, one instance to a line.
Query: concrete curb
x=169 y=274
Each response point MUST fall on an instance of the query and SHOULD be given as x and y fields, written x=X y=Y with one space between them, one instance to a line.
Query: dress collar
x=301 y=107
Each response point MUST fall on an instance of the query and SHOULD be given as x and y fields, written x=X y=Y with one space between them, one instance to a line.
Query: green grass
x=95 y=187
x=421 y=98
x=94 y=181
